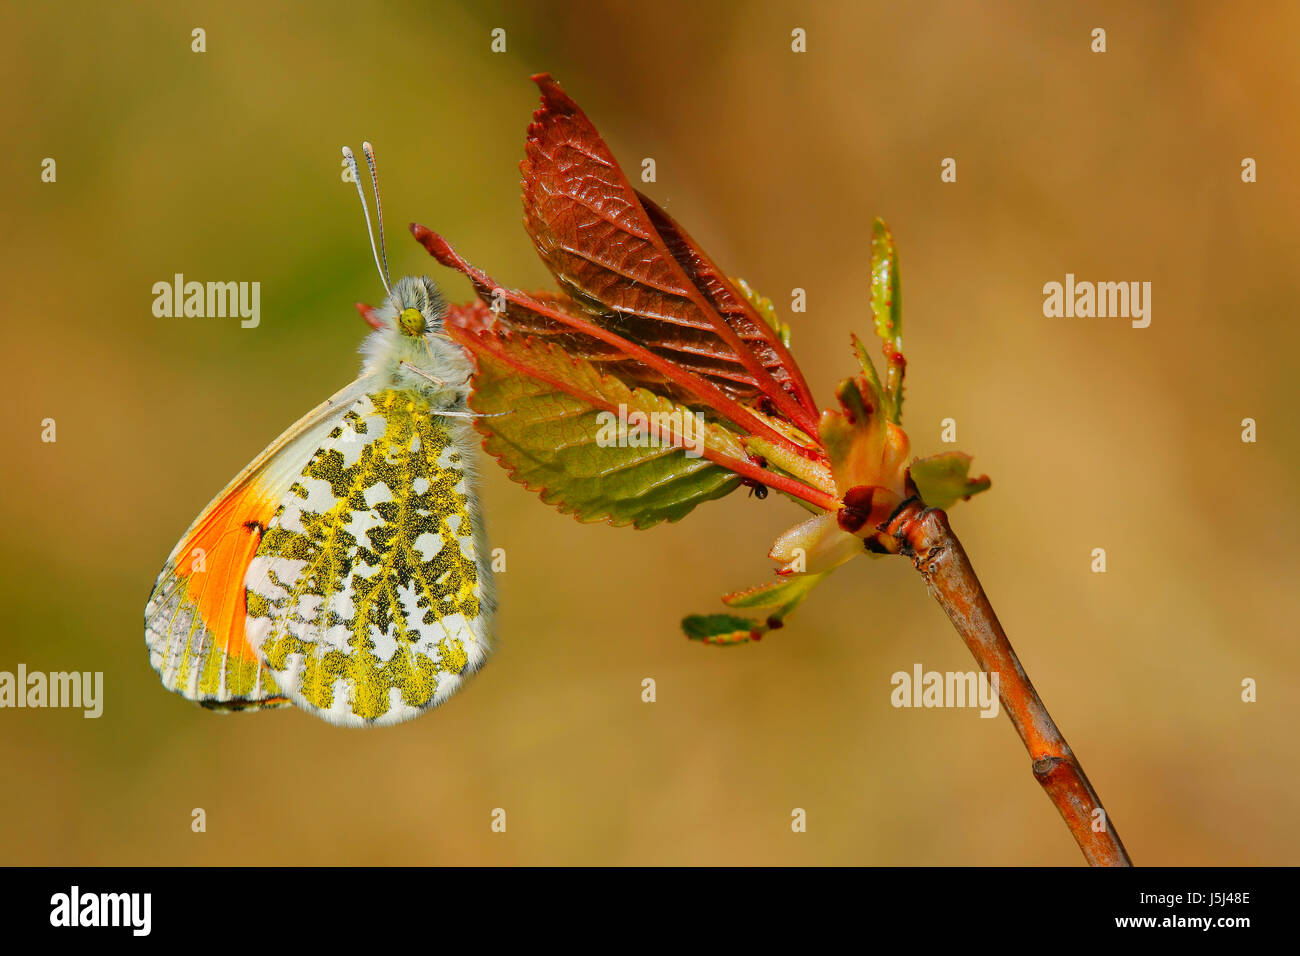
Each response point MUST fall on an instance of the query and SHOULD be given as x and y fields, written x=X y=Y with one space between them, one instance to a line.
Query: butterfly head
x=408 y=347
x=414 y=308
x=411 y=321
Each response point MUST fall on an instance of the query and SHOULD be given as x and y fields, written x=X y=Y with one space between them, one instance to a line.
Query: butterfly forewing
x=195 y=618
x=368 y=596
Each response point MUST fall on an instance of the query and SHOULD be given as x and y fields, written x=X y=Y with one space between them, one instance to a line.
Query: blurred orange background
x=1117 y=166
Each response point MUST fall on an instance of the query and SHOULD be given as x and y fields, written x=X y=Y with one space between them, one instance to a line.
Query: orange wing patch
x=195 y=621
x=216 y=557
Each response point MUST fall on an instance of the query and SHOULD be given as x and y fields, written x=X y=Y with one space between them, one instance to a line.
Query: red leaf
x=370 y=314
x=637 y=272
x=519 y=317
x=727 y=300
x=528 y=314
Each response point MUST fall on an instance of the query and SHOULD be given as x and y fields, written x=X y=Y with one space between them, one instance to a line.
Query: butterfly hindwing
x=195 y=618
x=369 y=597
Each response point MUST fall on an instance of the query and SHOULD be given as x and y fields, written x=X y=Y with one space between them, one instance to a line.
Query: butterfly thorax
x=411 y=352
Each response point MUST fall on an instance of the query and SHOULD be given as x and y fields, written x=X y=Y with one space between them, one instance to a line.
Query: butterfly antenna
x=379 y=208
x=356 y=178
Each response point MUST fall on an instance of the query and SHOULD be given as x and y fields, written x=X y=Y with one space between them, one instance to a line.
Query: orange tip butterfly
x=345 y=571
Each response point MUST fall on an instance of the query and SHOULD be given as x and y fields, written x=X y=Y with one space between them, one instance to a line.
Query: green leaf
x=887 y=310
x=785 y=594
x=728 y=629
x=815 y=546
x=868 y=367
x=720 y=629
x=886 y=291
x=942 y=480
x=549 y=432
x=766 y=310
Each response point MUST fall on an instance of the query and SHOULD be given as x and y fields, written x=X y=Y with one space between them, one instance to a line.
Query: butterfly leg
x=433 y=378
x=437 y=381
x=451 y=414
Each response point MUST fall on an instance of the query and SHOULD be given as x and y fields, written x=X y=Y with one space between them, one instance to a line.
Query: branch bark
x=924 y=535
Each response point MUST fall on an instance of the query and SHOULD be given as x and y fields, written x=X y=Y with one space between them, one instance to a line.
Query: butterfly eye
x=411 y=322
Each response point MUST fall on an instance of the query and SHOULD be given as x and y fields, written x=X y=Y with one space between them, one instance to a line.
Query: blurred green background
x=1120 y=166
